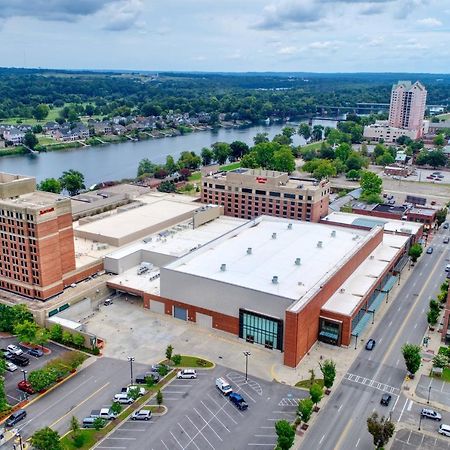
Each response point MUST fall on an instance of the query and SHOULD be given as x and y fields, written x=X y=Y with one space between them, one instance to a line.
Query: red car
x=25 y=386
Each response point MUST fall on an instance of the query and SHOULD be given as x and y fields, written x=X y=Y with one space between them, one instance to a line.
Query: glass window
x=260 y=329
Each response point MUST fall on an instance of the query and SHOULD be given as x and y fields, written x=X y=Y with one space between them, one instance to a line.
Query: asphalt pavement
x=341 y=424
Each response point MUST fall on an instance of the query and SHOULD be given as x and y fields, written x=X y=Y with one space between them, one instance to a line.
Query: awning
x=389 y=284
x=401 y=263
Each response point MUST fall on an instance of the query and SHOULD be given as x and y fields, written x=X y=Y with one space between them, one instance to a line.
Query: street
x=342 y=423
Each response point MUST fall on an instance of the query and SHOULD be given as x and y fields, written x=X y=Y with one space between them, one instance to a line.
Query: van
x=187 y=373
x=123 y=398
x=444 y=430
x=88 y=422
x=223 y=386
x=108 y=302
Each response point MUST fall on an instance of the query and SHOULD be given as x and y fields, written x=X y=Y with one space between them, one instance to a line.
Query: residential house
x=14 y=135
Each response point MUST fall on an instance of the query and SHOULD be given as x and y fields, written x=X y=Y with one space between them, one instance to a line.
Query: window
x=258 y=192
x=260 y=329
x=247 y=190
x=274 y=194
x=289 y=195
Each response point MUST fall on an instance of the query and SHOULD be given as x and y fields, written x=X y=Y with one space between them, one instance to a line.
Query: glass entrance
x=264 y=330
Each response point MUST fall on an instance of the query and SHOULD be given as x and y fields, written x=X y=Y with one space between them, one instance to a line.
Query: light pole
x=429 y=392
x=356 y=341
x=20 y=440
x=246 y=354
x=420 y=421
x=24 y=375
x=131 y=359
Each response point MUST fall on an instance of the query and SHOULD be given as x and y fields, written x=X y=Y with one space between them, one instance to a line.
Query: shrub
x=67 y=337
x=99 y=423
x=78 y=440
x=56 y=332
x=176 y=359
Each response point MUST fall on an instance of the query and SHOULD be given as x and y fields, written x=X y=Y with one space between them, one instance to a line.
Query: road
x=341 y=424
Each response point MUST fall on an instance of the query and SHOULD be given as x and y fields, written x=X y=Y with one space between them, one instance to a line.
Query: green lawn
x=306 y=384
x=446 y=374
x=90 y=438
x=52 y=115
x=195 y=176
x=445 y=116
x=231 y=166
x=313 y=145
x=193 y=361
x=45 y=140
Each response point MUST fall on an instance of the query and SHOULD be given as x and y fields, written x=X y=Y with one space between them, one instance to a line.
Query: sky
x=227 y=35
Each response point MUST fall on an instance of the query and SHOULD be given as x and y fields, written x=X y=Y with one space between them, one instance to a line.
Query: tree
x=317 y=133
x=98 y=423
x=37 y=129
x=326 y=151
x=42 y=336
x=264 y=153
x=249 y=160
x=170 y=165
x=439 y=140
x=146 y=167
x=385 y=159
x=343 y=152
x=56 y=332
x=74 y=425
x=328 y=369
x=159 y=397
x=440 y=361
x=176 y=359
x=304 y=409
x=432 y=317
x=412 y=355
x=353 y=175
x=238 y=149
x=221 y=152
x=41 y=379
x=72 y=181
x=40 y=112
x=285 y=434
x=441 y=216
x=116 y=408
x=134 y=393
x=437 y=158
x=304 y=130
x=50 y=185
x=261 y=137
x=169 y=352
x=78 y=340
x=46 y=439
x=189 y=160
x=371 y=185
x=207 y=156
x=26 y=331
x=381 y=430
x=30 y=140
x=89 y=110
x=316 y=393
x=414 y=252
x=325 y=169
x=167 y=186
x=67 y=337
x=283 y=160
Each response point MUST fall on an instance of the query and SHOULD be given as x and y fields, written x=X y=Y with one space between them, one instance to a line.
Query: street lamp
x=356 y=340
x=20 y=440
x=131 y=359
x=246 y=354
x=429 y=392
x=420 y=421
x=24 y=375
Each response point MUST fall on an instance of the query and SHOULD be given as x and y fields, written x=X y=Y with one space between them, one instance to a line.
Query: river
x=118 y=161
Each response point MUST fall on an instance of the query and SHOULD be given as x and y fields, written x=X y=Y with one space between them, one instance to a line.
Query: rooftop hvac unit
x=223 y=267
x=289 y=226
x=249 y=251
x=319 y=244
x=342 y=290
x=274 y=235
x=371 y=257
x=300 y=283
x=333 y=233
x=275 y=279
x=298 y=261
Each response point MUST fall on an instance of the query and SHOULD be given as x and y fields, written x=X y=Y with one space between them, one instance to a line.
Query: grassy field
x=52 y=115
x=306 y=384
x=313 y=145
x=445 y=116
x=45 y=140
x=231 y=166
x=90 y=438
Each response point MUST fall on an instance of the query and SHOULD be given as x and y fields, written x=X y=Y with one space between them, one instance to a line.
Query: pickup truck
x=238 y=400
x=104 y=413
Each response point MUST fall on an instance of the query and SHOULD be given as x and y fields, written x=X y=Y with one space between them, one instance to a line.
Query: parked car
x=238 y=400
x=10 y=367
x=37 y=352
x=123 y=398
x=15 y=417
x=104 y=413
x=446 y=226
x=127 y=389
x=385 y=399
x=142 y=414
x=25 y=386
x=155 y=367
x=6 y=354
x=142 y=378
x=444 y=430
x=187 y=373
x=20 y=360
x=446 y=240
x=370 y=345
x=14 y=349
x=88 y=422
x=108 y=302
x=430 y=250
x=223 y=386
x=430 y=414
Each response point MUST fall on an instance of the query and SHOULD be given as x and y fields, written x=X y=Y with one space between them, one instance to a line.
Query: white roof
x=180 y=239
x=274 y=257
x=392 y=225
x=350 y=293
x=148 y=282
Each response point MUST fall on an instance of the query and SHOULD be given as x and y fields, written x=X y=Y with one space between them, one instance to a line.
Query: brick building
x=271 y=281
x=36 y=239
x=248 y=193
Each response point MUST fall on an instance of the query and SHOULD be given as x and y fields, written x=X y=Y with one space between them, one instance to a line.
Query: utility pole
x=246 y=354
x=131 y=359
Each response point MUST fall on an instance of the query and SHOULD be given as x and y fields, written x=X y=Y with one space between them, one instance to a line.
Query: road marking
x=343 y=435
x=163 y=443
x=176 y=440
x=357 y=442
x=321 y=439
x=189 y=437
x=117 y=448
x=410 y=405
x=79 y=404
x=131 y=429
x=340 y=407
x=121 y=438
x=201 y=434
x=266 y=435
x=371 y=383
x=213 y=430
x=213 y=416
x=222 y=408
x=263 y=445
x=403 y=409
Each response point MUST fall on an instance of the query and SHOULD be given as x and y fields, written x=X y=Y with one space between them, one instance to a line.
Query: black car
x=15 y=417
x=35 y=352
x=20 y=360
x=370 y=344
x=430 y=250
x=385 y=399
x=142 y=378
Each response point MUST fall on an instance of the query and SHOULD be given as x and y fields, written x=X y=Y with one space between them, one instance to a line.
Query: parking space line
x=247 y=394
x=163 y=443
x=188 y=436
x=176 y=440
x=116 y=448
x=204 y=437
x=263 y=445
x=121 y=438
x=207 y=423
x=222 y=408
x=215 y=417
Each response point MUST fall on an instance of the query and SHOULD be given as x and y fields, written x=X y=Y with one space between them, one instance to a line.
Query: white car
x=187 y=373
x=10 y=367
x=127 y=390
x=14 y=349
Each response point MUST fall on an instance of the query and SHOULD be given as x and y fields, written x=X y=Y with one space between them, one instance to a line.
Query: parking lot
x=414 y=440
x=13 y=394
x=200 y=417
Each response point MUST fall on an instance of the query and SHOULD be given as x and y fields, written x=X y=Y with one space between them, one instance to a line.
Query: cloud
x=63 y=10
x=430 y=22
x=375 y=42
x=371 y=10
x=287 y=50
x=323 y=45
x=411 y=44
x=123 y=15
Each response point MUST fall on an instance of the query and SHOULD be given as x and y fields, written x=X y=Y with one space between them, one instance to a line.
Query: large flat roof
x=275 y=256
x=391 y=225
x=349 y=295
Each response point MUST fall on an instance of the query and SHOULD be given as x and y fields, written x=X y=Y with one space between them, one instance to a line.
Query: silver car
x=142 y=414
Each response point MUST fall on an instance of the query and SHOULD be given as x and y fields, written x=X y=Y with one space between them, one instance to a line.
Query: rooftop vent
x=289 y=226
x=275 y=279
x=300 y=283
x=274 y=235
x=223 y=267
x=371 y=257
x=333 y=233
x=342 y=290
x=249 y=251
x=319 y=244
x=298 y=261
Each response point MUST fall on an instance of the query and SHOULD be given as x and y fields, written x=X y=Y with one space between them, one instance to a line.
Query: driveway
x=200 y=417
x=131 y=330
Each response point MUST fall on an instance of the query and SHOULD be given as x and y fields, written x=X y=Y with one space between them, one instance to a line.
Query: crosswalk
x=239 y=379
x=371 y=383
